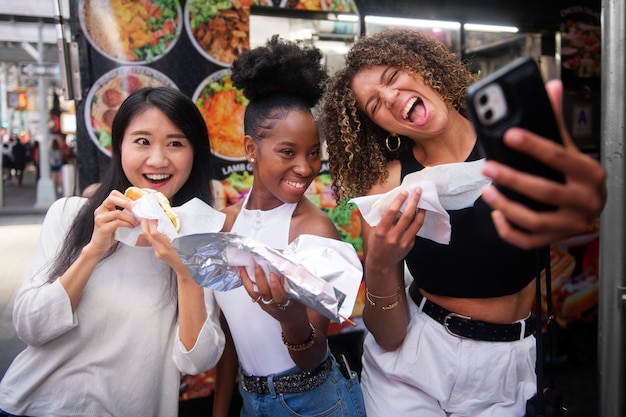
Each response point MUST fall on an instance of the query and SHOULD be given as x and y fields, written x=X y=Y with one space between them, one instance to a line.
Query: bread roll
x=135 y=193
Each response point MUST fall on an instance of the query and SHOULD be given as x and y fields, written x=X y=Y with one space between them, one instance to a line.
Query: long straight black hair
x=183 y=113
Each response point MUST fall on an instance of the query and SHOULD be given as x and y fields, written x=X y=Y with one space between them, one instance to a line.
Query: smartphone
x=514 y=95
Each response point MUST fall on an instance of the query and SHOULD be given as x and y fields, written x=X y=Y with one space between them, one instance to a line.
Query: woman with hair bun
x=278 y=344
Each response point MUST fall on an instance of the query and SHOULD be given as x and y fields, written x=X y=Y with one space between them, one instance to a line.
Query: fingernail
x=497 y=217
x=490 y=170
x=515 y=137
x=489 y=194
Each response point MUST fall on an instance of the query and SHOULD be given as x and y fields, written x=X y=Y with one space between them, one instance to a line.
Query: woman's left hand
x=580 y=199
x=192 y=313
x=298 y=323
x=162 y=245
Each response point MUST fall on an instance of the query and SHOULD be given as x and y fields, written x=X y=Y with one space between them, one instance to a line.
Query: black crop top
x=476 y=263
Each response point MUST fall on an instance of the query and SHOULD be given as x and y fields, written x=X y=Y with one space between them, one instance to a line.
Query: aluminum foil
x=324 y=274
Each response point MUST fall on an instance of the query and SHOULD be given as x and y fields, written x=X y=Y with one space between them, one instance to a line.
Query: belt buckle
x=445 y=323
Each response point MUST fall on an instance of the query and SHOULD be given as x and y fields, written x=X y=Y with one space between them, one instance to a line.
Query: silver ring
x=284 y=305
x=267 y=302
x=256 y=300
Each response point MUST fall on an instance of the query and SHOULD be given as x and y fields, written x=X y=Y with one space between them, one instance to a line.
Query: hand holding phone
x=514 y=96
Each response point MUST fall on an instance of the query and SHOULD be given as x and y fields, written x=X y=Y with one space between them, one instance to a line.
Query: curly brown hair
x=356 y=146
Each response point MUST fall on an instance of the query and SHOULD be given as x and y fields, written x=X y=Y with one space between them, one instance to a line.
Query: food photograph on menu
x=314 y=5
x=108 y=93
x=219 y=29
x=223 y=107
x=131 y=31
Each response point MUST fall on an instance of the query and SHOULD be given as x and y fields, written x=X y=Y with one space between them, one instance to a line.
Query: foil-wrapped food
x=323 y=274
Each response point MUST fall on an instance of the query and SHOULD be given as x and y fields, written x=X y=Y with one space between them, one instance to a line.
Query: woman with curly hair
x=456 y=341
x=278 y=344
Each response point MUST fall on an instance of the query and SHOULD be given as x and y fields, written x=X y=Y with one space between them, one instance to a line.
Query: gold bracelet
x=369 y=294
x=389 y=306
x=300 y=346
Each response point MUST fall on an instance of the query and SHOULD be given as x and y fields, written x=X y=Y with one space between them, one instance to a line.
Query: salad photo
x=345 y=216
x=131 y=31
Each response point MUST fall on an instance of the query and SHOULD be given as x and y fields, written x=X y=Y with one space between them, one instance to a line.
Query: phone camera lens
x=483 y=99
x=488 y=114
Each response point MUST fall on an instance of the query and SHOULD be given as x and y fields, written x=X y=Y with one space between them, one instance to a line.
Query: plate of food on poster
x=107 y=94
x=223 y=107
x=314 y=5
x=131 y=31
x=345 y=216
x=321 y=5
x=219 y=29
x=231 y=189
x=581 y=48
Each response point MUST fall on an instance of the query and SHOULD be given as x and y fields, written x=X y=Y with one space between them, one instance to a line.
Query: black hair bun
x=282 y=66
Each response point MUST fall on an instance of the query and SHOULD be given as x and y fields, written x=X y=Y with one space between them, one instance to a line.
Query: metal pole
x=4 y=78
x=4 y=115
x=45 y=188
x=64 y=55
x=612 y=304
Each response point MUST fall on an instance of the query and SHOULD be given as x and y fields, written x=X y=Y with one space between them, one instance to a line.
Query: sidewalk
x=21 y=200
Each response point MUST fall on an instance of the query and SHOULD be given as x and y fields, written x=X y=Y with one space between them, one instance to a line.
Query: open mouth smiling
x=156 y=178
x=296 y=184
x=408 y=113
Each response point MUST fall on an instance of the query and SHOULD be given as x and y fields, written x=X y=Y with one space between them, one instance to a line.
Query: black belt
x=463 y=326
x=288 y=384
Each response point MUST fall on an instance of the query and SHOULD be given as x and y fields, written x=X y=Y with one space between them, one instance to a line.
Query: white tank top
x=257 y=334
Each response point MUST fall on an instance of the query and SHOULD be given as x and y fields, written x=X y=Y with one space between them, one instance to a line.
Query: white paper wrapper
x=195 y=217
x=444 y=187
x=322 y=273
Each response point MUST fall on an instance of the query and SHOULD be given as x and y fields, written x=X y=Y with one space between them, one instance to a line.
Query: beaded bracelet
x=301 y=346
x=389 y=306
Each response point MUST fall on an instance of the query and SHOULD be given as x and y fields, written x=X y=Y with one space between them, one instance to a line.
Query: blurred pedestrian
x=18 y=156
x=36 y=159
x=7 y=163
x=56 y=163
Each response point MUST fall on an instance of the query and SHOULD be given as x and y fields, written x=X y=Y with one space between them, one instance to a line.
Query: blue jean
x=335 y=397
x=4 y=413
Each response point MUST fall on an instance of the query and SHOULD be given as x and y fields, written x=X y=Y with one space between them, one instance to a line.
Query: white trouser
x=437 y=374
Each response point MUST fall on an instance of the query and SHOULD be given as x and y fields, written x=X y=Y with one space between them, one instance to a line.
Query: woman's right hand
x=114 y=212
x=394 y=236
x=580 y=199
x=386 y=246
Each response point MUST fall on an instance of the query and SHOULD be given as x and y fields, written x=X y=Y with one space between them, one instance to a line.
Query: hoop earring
x=398 y=143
